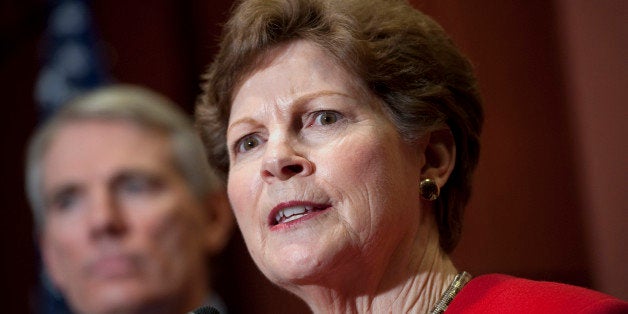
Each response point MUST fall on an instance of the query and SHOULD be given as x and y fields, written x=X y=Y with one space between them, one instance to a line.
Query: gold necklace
x=459 y=281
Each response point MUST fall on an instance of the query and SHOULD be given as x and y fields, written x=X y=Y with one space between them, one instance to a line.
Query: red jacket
x=505 y=294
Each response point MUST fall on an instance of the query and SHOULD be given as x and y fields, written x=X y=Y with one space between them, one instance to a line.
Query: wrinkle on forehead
x=284 y=52
x=281 y=63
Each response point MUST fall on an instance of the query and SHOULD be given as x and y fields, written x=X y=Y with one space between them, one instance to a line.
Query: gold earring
x=429 y=189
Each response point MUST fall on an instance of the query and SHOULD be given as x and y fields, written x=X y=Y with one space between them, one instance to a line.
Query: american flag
x=72 y=62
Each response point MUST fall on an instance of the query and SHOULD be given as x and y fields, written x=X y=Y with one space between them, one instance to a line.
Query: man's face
x=122 y=228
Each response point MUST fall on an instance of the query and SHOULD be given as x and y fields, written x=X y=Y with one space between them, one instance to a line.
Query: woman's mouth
x=288 y=212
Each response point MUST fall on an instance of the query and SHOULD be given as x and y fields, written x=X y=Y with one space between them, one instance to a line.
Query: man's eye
x=326 y=117
x=65 y=201
x=247 y=143
x=137 y=185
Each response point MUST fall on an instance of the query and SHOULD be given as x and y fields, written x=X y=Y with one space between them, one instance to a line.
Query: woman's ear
x=440 y=156
x=220 y=222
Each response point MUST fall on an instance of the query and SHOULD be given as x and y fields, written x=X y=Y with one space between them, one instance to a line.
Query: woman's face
x=320 y=181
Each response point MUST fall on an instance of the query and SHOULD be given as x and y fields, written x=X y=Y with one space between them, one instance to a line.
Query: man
x=125 y=205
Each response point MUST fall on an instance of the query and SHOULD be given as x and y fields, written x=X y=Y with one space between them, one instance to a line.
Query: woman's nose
x=281 y=162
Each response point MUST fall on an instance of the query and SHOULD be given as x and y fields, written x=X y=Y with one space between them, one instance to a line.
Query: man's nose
x=106 y=217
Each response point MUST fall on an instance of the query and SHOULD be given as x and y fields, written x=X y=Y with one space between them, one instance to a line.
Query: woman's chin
x=293 y=265
x=288 y=278
x=302 y=265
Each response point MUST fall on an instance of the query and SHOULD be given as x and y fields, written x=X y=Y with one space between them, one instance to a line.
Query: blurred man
x=125 y=205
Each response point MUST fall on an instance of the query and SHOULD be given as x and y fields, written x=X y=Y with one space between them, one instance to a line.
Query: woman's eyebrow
x=299 y=101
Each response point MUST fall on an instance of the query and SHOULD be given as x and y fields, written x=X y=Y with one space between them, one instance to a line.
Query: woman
x=348 y=132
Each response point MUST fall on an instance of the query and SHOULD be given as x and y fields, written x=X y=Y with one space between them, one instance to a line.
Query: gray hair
x=139 y=106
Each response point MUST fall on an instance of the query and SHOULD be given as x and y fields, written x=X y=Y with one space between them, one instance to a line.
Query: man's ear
x=220 y=221
x=440 y=156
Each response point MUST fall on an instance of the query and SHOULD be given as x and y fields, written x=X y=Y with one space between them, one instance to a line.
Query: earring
x=429 y=189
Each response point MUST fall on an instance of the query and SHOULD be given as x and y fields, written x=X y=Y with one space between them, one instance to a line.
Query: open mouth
x=285 y=214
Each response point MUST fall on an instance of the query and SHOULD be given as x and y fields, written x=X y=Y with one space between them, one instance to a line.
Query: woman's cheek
x=240 y=189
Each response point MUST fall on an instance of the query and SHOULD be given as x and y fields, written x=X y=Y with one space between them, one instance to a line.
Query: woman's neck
x=411 y=280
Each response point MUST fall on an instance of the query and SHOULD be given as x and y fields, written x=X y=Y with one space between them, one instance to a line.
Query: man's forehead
x=102 y=148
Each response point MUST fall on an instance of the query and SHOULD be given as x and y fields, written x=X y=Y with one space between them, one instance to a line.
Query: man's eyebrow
x=126 y=174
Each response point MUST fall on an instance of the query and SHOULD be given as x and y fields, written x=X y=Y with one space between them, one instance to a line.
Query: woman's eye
x=326 y=117
x=247 y=143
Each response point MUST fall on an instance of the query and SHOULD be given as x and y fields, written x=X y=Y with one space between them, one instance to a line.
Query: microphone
x=206 y=309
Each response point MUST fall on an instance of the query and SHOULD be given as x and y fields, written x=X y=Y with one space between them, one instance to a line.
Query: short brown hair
x=400 y=54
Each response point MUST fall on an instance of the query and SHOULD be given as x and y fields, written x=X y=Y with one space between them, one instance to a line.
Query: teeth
x=293 y=217
x=292 y=213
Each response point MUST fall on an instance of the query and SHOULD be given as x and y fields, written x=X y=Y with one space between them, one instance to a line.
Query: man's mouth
x=114 y=266
x=285 y=213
